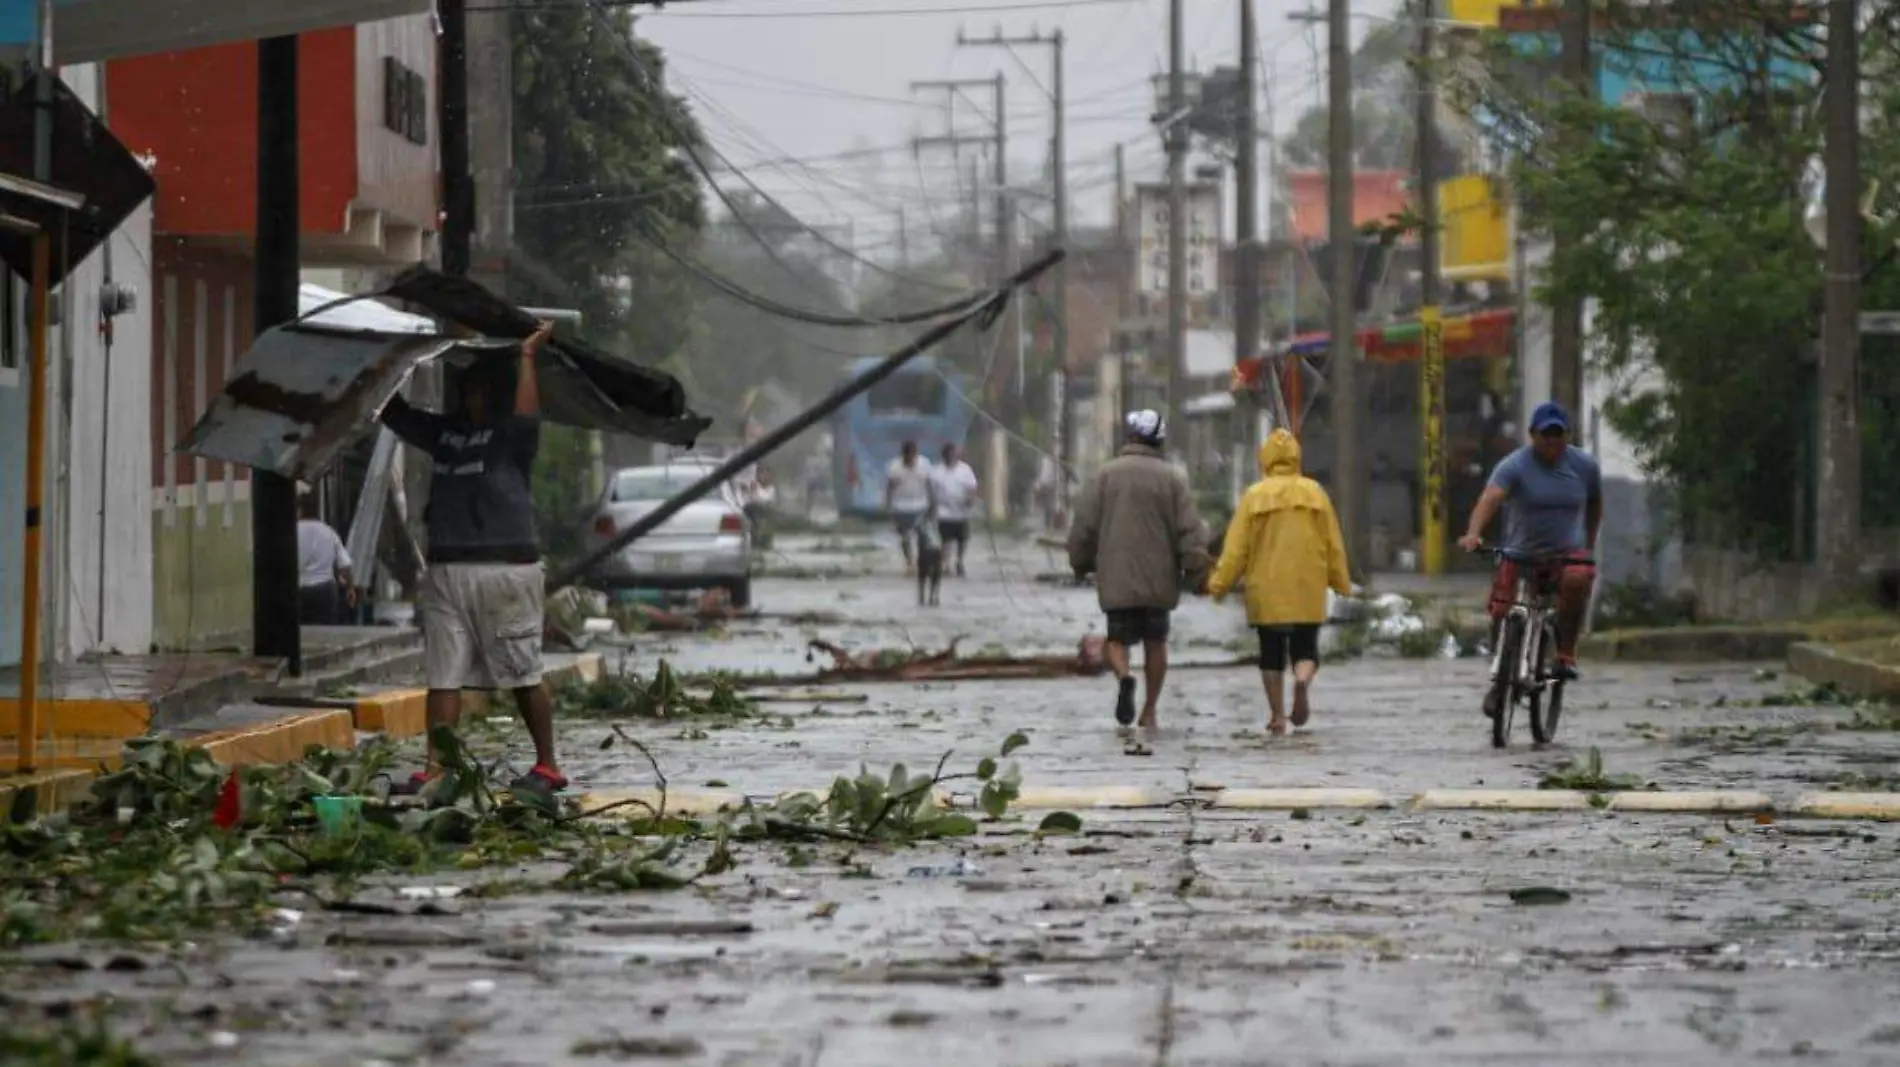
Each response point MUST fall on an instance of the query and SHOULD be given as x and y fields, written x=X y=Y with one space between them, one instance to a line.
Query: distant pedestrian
x=1284 y=546
x=326 y=588
x=955 y=487
x=483 y=598
x=907 y=497
x=1137 y=529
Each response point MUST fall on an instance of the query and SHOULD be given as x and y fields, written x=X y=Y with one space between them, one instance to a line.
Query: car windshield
x=659 y=483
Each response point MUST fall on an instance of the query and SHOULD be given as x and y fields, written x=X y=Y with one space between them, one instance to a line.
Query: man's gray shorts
x=481 y=625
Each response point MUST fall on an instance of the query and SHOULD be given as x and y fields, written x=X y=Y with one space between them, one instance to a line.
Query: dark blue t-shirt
x=1545 y=512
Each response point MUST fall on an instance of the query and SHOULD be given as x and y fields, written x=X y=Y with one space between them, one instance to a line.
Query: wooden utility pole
x=1566 y=315
x=1350 y=489
x=1124 y=293
x=1431 y=365
x=1247 y=219
x=1177 y=133
x=1059 y=411
x=274 y=595
x=1837 y=514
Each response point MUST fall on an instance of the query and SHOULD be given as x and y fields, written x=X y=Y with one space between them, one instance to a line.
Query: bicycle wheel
x=1547 y=698
x=1503 y=695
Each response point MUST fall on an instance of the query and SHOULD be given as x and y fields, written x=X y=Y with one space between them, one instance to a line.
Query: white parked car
x=708 y=545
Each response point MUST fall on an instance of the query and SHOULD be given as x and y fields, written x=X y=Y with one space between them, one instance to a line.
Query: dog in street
x=929 y=565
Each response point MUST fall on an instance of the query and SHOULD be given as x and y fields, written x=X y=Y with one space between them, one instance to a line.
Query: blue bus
x=924 y=401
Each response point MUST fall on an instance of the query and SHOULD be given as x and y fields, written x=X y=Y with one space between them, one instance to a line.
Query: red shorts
x=1573 y=578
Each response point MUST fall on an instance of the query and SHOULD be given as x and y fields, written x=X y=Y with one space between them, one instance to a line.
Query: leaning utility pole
x=1433 y=544
x=1566 y=315
x=1350 y=487
x=1247 y=217
x=1837 y=513
x=1059 y=411
x=1176 y=132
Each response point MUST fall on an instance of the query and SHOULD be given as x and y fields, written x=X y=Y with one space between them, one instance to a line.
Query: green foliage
x=72 y=1044
x=1688 y=236
x=1588 y=776
x=596 y=135
x=1641 y=605
x=626 y=694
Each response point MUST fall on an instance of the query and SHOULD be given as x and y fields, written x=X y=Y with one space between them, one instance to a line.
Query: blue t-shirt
x=1547 y=503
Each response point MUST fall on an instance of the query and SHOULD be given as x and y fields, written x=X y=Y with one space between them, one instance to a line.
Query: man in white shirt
x=907 y=496
x=955 y=487
x=325 y=585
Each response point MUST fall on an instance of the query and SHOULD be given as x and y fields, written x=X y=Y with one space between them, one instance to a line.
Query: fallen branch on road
x=892 y=665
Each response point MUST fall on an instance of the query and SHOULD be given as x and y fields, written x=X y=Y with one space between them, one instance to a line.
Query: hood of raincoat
x=1281 y=454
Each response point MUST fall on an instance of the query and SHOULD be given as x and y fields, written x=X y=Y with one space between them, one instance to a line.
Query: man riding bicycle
x=1555 y=492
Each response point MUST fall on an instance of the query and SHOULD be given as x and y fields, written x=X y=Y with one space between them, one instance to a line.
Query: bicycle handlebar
x=1503 y=553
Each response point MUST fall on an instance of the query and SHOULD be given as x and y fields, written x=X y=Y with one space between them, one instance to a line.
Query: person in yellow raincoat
x=1284 y=547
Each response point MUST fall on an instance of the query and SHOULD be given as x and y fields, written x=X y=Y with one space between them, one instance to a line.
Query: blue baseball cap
x=1550 y=415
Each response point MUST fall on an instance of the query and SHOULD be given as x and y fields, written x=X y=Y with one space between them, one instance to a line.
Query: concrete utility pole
x=1247 y=218
x=1566 y=315
x=458 y=181
x=996 y=392
x=1125 y=292
x=1177 y=133
x=1351 y=491
x=1837 y=518
x=274 y=601
x=1058 y=380
x=1431 y=365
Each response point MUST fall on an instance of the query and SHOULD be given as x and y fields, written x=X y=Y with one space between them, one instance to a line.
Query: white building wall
x=98 y=576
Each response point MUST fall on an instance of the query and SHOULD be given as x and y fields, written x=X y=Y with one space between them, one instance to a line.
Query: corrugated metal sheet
x=306 y=390
x=301 y=394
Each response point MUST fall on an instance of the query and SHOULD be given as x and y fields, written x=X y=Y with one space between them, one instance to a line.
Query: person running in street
x=954 y=486
x=1555 y=495
x=907 y=497
x=483 y=597
x=1137 y=529
x=325 y=586
x=1284 y=546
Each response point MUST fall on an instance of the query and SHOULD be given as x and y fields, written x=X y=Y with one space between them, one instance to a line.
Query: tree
x=604 y=190
x=1686 y=236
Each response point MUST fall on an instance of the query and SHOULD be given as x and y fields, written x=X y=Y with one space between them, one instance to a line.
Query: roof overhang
x=87 y=31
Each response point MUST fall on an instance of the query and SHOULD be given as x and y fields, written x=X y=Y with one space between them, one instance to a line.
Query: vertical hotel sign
x=1431 y=395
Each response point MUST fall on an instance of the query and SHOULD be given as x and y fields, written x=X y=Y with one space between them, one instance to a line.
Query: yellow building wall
x=1485 y=12
x=1475 y=235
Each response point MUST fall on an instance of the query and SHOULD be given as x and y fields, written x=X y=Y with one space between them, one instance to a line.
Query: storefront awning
x=86 y=31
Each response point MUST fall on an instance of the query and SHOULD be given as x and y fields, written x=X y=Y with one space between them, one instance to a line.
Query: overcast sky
x=808 y=79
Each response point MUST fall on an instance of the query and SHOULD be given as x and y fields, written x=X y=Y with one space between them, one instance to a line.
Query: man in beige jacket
x=1136 y=528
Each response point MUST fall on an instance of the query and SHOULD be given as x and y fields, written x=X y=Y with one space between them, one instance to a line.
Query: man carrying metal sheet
x=483 y=597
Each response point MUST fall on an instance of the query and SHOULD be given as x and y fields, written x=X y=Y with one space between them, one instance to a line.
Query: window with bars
x=405 y=101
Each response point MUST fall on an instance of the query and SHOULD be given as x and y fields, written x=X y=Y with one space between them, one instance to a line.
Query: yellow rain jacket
x=1284 y=543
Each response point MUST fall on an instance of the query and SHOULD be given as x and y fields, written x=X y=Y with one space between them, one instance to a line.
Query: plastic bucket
x=338 y=814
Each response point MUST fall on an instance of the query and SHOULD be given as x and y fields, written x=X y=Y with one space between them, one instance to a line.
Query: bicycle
x=1522 y=665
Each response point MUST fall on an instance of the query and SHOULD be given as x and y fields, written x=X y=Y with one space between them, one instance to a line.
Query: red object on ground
x=230 y=809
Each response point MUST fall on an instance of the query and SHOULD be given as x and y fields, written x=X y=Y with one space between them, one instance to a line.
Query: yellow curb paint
x=1712 y=802
x=1293 y=799
x=82 y=718
x=1847 y=805
x=282 y=741
x=83 y=753
x=1501 y=800
x=51 y=791
x=1093 y=797
x=398 y=713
